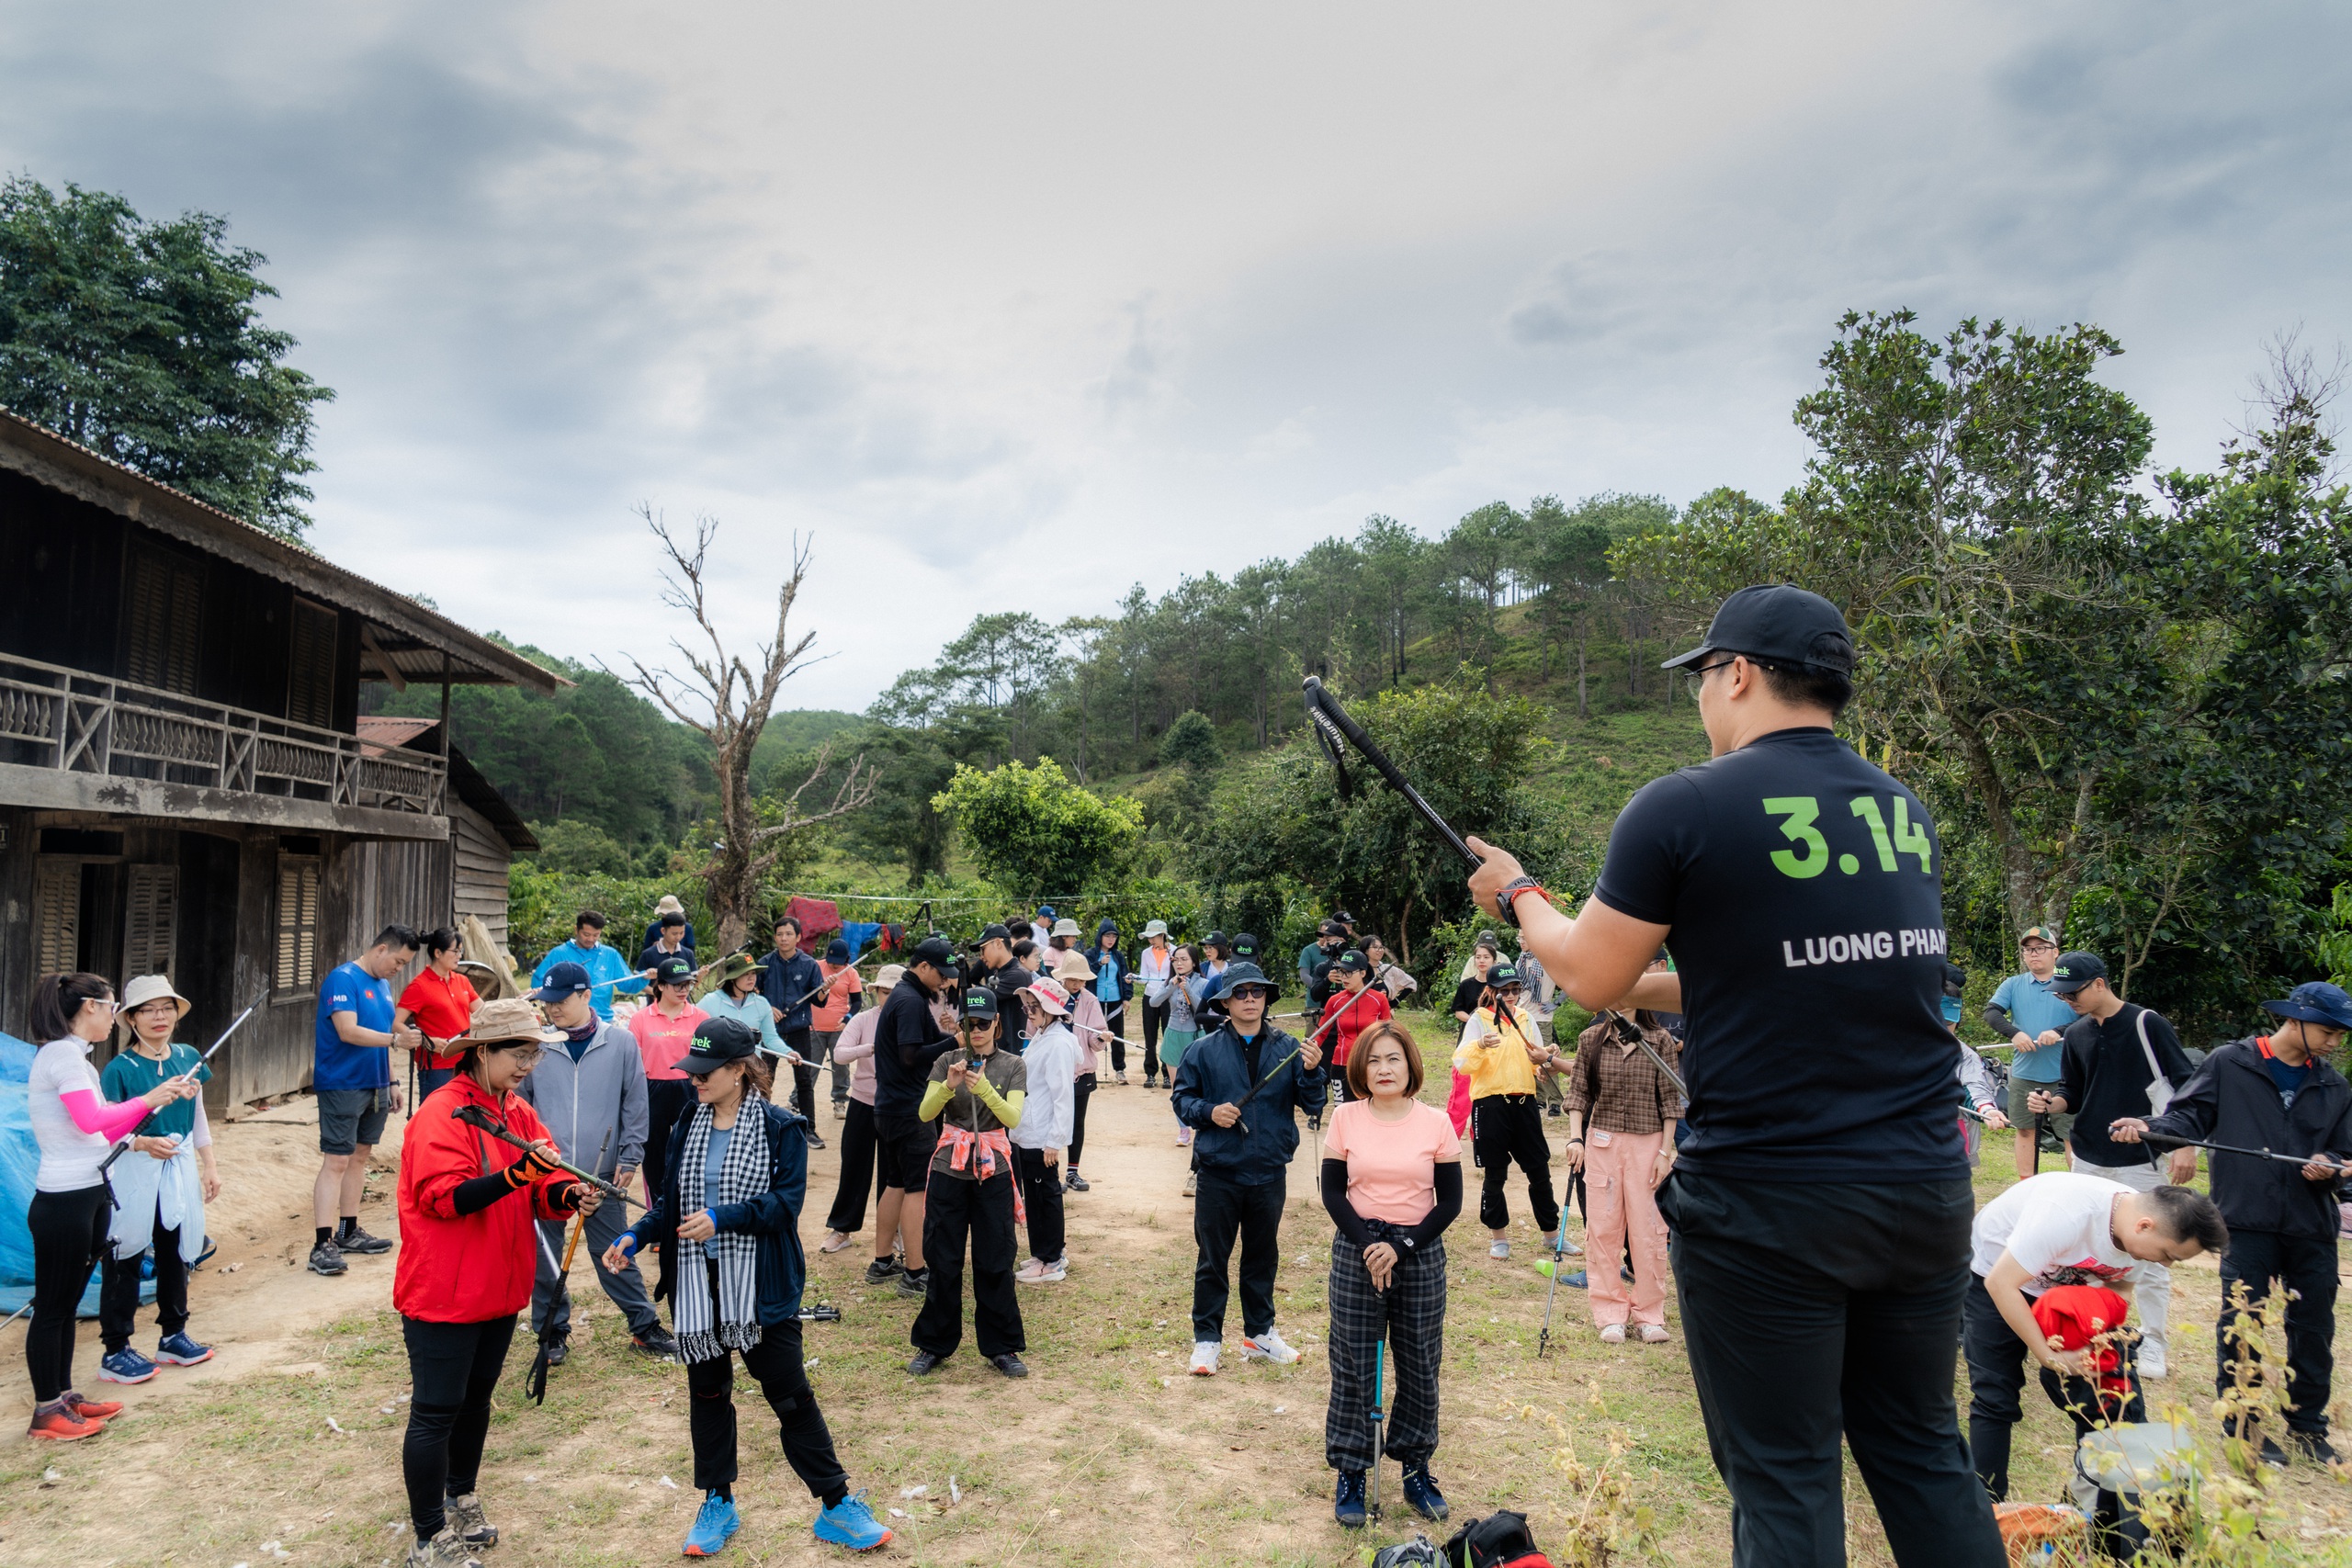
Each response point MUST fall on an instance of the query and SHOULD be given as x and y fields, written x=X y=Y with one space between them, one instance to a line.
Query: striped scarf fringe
x=709 y=1330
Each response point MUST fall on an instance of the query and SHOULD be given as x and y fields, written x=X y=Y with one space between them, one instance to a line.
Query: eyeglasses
x=1697 y=676
x=525 y=1055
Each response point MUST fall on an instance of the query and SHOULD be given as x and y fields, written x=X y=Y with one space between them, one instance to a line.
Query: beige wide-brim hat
x=496 y=1023
x=1072 y=966
x=669 y=905
x=887 y=978
x=1066 y=927
x=148 y=988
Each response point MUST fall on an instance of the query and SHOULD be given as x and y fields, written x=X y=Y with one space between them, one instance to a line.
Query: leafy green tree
x=1279 y=821
x=144 y=341
x=1191 y=742
x=1034 y=831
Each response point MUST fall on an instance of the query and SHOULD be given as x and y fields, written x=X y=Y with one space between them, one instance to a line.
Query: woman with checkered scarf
x=1392 y=1182
x=730 y=1208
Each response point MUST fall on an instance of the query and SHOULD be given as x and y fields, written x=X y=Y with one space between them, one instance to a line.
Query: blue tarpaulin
x=19 y=1163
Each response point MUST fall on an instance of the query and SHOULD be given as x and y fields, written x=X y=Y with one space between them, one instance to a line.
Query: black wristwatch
x=1508 y=900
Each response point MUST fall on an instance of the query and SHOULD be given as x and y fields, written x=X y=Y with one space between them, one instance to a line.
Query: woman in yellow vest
x=1500 y=1053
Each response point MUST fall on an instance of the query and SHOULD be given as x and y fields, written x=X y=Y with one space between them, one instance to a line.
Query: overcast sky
x=1010 y=306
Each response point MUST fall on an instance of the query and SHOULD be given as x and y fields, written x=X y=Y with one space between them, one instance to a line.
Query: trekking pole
x=475 y=1116
x=1379 y=1367
x=1335 y=732
x=1559 y=1252
x=2329 y=1160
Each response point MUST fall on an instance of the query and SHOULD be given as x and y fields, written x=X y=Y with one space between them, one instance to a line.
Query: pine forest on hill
x=2120 y=692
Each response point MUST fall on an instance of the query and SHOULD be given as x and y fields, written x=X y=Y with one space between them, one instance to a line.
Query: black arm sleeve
x=1335 y=1204
x=473 y=1197
x=1449 y=1204
x=2000 y=1022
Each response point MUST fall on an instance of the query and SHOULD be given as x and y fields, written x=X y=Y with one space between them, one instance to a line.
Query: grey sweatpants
x=627 y=1287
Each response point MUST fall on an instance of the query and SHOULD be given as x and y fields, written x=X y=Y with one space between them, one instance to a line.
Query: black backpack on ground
x=1498 y=1540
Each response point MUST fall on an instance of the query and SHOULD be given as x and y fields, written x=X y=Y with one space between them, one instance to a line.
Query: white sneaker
x=1567 y=1248
x=1613 y=1334
x=1204 y=1353
x=1037 y=1273
x=1498 y=1249
x=1268 y=1347
x=1191 y=1183
x=2152 y=1361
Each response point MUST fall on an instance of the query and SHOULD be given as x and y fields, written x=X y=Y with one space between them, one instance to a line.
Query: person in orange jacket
x=469 y=1256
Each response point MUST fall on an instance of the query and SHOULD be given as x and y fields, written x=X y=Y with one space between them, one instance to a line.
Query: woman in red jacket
x=469 y=1254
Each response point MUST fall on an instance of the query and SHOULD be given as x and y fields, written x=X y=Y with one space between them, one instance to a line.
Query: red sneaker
x=58 y=1425
x=93 y=1409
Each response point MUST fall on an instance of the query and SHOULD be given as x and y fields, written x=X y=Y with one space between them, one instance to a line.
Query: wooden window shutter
x=309 y=687
x=163 y=607
x=297 y=963
x=57 y=918
x=150 y=919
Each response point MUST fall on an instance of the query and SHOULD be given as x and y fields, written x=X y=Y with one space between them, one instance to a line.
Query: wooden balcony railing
x=80 y=723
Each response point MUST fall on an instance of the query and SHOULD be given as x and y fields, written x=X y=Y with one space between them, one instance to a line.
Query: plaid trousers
x=1411 y=1313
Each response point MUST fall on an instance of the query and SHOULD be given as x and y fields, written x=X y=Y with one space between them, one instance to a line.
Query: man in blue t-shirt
x=604 y=963
x=351 y=1074
x=1821 y=1205
x=2031 y=1016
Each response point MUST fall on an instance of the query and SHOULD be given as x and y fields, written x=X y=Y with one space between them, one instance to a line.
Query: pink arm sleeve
x=94 y=1115
x=203 y=1136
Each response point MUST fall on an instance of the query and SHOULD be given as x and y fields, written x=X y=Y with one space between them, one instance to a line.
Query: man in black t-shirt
x=2110 y=1056
x=1821 y=1206
x=908 y=1038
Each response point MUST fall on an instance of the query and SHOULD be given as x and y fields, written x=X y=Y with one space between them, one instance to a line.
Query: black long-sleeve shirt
x=907 y=1040
x=2106 y=1077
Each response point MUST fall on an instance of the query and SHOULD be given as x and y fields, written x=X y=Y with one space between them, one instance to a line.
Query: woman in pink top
x=665 y=1031
x=855 y=1048
x=1392 y=1182
x=1086 y=1021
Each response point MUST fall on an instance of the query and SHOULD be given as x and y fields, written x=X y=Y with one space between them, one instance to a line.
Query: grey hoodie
x=581 y=1101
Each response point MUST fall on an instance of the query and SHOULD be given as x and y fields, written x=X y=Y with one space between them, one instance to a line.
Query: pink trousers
x=1619 y=1198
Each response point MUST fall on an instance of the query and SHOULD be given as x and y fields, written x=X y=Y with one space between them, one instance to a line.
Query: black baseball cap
x=672 y=972
x=1353 y=961
x=1780 y=624
x=2075 y=971
x=1502 y=975
x=980 y=1005
x=1214 y=939
x=1244 y=945
x=935 y=951
x=718 y=1041
x=1344 y=917
x=1331 y=928
x=992 y=933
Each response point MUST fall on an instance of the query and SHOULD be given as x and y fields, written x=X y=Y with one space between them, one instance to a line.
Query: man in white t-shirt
x=2057 y=1229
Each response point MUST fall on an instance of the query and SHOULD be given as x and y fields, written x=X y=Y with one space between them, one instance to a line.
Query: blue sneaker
x=713 y=1526
x=1347 y=1506
x=125 y=1365
x=852 y=1524
x=180 y=1350
x=1420 y=1491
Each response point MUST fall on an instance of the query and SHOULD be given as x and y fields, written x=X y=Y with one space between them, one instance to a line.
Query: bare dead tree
x=728 y=701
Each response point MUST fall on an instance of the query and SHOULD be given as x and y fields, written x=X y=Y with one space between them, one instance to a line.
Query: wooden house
x=185 y=781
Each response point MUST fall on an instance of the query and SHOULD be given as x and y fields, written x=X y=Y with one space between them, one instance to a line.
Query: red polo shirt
x=442 y=1008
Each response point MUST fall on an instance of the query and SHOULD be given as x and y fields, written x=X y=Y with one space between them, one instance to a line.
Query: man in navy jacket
x=2276 y=1091
x=790 y=980
x=1243 y=1155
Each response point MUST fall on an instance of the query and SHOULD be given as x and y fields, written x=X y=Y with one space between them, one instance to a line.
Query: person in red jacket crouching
x=468 y=1260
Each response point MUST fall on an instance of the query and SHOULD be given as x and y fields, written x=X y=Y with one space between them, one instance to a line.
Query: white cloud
x=1012 y=306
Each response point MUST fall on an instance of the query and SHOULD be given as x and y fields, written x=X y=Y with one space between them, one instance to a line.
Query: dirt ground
x=286 y=1446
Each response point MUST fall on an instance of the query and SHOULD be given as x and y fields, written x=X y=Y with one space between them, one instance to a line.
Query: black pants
x=1410 y=1314
x=1821 y=1310
x=666 y=1100
x=1503 y=1128
x=1041 y=1191
x=804 y=1074
x=774 y=1365
x=69 y=1233
x=1222 y=1209
x=118 y=1299
x=2307 y=1266
x=1078 y=1118
x=1115 y=1018
x=1155 y=1019
x=858 y=1172
x=1996 y=1363
x=453 y=1369
x=955 y=1212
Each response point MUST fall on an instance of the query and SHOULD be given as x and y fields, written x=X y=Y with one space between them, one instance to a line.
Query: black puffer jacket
x=2234 y=1100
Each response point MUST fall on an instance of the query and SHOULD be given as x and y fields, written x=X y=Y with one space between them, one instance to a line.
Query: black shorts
x=902 y=1151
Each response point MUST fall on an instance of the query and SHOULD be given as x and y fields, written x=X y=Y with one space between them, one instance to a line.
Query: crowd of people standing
x=1809 y=1206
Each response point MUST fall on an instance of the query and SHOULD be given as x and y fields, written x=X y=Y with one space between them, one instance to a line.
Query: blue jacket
x=774 y=1216
x=602 y=962
x=1215 y=1072
x=784 y=983
x=1110 y=969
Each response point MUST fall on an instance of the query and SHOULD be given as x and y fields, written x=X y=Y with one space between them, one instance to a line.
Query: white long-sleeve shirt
x=1049 y=1115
